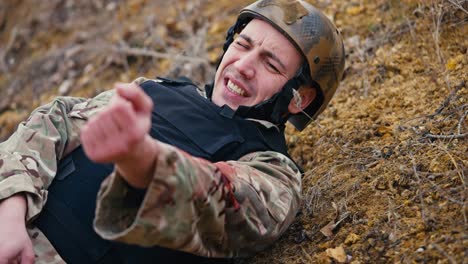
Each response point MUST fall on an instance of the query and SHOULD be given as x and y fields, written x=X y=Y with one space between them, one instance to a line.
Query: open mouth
x=235 y=89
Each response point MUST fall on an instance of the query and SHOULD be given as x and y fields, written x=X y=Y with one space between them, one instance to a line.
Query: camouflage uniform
x=223 y=209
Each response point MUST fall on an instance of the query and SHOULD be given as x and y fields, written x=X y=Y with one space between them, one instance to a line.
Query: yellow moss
x=451 y=64
x=351 y=239
x=355 y=10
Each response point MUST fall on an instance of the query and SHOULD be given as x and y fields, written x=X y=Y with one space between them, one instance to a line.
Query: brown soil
x=386 y=163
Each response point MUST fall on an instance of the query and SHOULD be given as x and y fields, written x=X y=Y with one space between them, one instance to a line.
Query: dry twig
x=3 y=54
x=309 y=258
x=460 y=122
x=460 y=172
x=436 y=22
x=447 y=136
x=458 y=5
x=448 y=99
x=443 y=252
x=420 y=193
x=155 y=54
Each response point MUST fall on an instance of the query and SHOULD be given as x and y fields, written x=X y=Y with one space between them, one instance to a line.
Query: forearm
x=212 y=209
x=29 y=158
x=13 y=209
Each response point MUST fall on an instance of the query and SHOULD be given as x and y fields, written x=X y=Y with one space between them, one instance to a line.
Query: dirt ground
x=386 y=163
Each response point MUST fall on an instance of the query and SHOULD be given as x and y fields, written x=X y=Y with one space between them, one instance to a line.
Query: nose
x=245 y=65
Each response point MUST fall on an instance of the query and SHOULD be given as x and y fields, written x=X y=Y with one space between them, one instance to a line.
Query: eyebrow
x=266 y=52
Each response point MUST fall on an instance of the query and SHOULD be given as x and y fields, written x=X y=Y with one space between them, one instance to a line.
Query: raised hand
x=119 y=134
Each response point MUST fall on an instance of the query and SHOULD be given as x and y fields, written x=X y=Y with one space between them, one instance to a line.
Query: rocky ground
x=386 y=163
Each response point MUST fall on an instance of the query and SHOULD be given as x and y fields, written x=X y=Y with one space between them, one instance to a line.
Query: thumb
x=136 y=96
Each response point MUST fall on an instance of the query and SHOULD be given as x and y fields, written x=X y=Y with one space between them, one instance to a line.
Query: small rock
x=111 y=6
x=381 y=184
x=337 y=254
x=328 y=229
x=65 y=87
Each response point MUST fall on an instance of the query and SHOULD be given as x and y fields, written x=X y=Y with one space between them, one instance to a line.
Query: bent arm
x=223 y=209
x=29 y=158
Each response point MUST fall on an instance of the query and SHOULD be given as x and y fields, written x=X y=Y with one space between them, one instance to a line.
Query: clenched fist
x=119 y=134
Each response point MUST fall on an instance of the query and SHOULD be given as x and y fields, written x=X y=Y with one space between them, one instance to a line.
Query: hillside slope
x=386 y=163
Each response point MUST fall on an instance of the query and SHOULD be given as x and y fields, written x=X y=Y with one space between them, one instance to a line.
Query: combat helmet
x=317 y=39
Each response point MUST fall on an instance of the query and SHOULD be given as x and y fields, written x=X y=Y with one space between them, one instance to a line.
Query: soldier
x=180 y=174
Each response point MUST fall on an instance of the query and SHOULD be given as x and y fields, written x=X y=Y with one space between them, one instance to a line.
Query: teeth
x=235 y=89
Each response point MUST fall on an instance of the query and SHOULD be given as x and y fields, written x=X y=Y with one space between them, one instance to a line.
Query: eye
x=272 y=67
x=243 y=45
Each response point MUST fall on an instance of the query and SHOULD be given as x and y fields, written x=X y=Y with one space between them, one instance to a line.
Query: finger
x=95 y=130
x=105 y=127
x=98 y=140
x=92 y=138
x=6 y=261
x=135 y=94
x=10 y=259
x=27 y=256
x=124 y=116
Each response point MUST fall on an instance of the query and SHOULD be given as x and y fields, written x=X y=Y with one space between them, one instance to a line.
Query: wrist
x=14 y=208
x=137 y=169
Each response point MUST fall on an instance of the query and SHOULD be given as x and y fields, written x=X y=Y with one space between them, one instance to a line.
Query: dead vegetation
x=392 y=150
x=386 y=164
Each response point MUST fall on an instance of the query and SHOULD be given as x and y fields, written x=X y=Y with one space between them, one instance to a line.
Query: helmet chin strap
x=275 y=109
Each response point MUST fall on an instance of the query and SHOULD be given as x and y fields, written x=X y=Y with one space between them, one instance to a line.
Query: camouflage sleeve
x=223 y=209
x=28 y=159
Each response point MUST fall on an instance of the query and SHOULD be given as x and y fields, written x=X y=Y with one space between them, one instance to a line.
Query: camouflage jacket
x=223 y=209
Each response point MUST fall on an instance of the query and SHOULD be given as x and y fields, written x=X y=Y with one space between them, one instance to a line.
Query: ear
x=307 y=95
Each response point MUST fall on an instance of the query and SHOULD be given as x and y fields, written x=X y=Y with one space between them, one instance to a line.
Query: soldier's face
x=256 y=66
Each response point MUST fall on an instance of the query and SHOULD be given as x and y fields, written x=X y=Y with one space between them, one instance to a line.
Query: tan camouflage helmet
x=316 y=37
